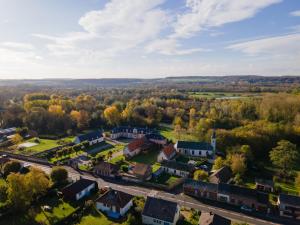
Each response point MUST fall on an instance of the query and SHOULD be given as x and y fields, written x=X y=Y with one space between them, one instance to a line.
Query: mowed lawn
x=149 y=158
x=170 y=135
x=43 y=145
x=60 y=210
x=96 y=218
x=166 y=179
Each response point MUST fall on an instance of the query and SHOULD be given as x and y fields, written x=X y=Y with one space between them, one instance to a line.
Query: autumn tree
x=238 y=164
x=112 y=115
x=17 y=139
x=219 y=163
x=200 y=175
x=285 y=156
x=297 y=181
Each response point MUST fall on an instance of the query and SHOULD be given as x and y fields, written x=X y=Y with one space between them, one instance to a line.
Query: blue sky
x=148 y=38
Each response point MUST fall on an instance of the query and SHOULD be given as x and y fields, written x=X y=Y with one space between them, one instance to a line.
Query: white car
x=246 y=208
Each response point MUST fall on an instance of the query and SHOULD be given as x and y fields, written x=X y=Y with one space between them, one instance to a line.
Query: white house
x=177 y=168
x=129 y=132
x=160 y=212
x=114 y=203
x=93 y=138
x=79 y=189
x=197 y=149
x=167 y=153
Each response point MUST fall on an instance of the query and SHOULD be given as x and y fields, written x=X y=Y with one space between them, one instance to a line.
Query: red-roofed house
x=134 y=147
x=167 y=153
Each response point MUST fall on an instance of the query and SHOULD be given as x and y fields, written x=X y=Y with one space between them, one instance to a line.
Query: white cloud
x=17 y=45
x=295 y=13
x=203 y=14
x=171 y=47
x=287 y=45
x=119 y=26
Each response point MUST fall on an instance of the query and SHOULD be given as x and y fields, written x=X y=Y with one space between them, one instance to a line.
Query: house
x=222 y=175
x=200 y=189
x=231 y=194
x=208 y=218
x=242 y=196
x=106 y=169
x=8 y=131
x=264 y=185
x=93 y=138
x=114 y=203
x=197 y=149
x=79 y=189
x=156 y=138
x=134 y=147
x=130 y=132
x=167 y=153
x=160 y=212
x=289 y=206
x=142 y=171
x=177 y=168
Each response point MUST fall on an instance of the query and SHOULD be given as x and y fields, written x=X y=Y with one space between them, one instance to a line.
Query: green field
x=149 y=158
x=45 y=144
x=59 y=211
x=97 y=218
x=221 y=95
x=170 y=134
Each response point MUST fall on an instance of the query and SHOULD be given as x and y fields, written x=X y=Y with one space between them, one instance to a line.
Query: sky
x=148 y=38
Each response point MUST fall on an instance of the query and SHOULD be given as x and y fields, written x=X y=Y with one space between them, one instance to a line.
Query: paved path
x=181 y=199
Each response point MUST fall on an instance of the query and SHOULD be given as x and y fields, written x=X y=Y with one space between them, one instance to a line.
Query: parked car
x=246 y=208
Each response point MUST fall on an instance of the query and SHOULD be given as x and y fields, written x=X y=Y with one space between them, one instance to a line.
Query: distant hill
x=117 y=82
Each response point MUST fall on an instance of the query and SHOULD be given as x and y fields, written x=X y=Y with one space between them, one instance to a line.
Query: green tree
x=59 y=175
x=3 y=191
x=11 y=167
x=297 y=181
x=284 y=155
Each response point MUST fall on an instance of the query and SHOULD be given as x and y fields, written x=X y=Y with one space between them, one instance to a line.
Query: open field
x=221 y=95
x=43 y=145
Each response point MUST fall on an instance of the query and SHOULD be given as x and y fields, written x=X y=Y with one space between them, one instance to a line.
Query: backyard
x=165 y=179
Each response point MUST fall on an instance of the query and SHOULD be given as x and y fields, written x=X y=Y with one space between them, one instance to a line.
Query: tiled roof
x=201 y=185
x=169 y=150
x=115 y=198
x=177 y=165
x=160 y=209
x=289 y=199
x=106 y=166
x=222 y=175
x=140 y=169
x=213 y=219
x=135 y=144
x=78 y=186
x=90 y=136
x=264 y=182
x=194 y=145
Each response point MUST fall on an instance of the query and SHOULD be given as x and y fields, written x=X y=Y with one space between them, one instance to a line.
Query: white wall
x=85 y=192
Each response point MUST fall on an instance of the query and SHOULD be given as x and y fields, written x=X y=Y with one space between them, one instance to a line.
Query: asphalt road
x=181 y=199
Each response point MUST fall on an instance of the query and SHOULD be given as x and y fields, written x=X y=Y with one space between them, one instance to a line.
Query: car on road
x=246 y=208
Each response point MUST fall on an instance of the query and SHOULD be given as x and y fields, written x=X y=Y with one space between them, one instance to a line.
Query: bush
x=124 y=168
x=37 y=140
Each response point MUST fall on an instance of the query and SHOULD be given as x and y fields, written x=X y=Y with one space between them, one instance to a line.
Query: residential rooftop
x=194 y=145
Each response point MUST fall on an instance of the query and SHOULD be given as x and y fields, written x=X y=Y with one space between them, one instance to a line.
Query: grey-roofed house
x=177 y=168
x=92 y=138
x=114 y=203
x=160 y=212
x=289 y=206
x=106 y=169
x=156 y=138
x=130 y=132
x=208 y=218
x=222 y=175
x=79 y=189
x=240 y=196
x=200 y=189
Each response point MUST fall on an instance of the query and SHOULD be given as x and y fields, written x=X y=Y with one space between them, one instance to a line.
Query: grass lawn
x=170 y=135
x=111 y=147
x=60 y=210
x=97 y=218
x=155 y=167
x=117 y=160
x=45 y=144
x=70 y=156
x=289 y=188
x=165 y=178
x=149 y=158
